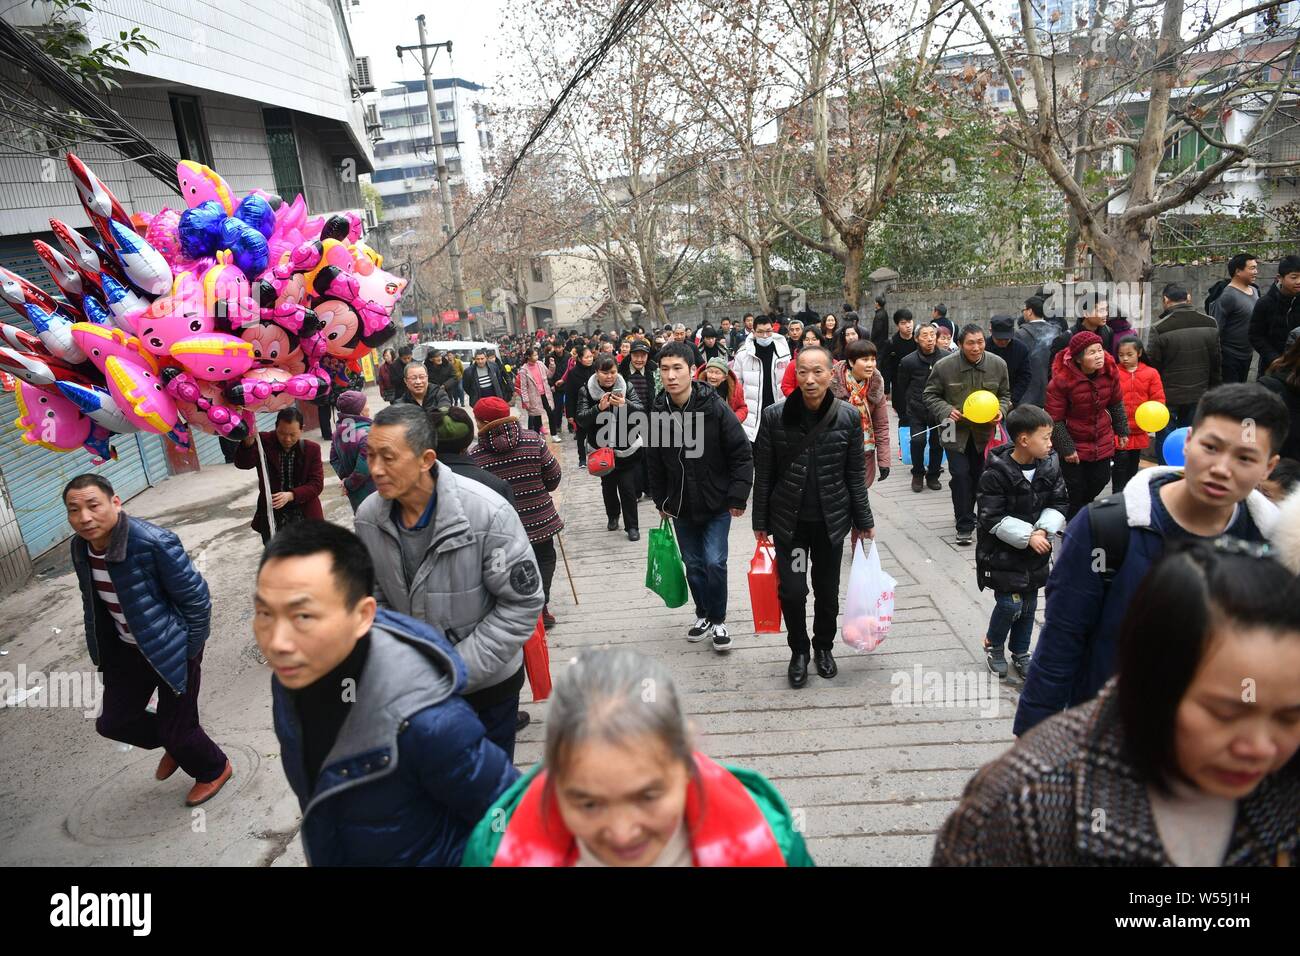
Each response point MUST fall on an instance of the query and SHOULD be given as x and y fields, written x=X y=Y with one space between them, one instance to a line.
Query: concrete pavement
x=870 y=779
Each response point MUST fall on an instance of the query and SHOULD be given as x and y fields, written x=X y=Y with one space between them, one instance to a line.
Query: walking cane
x=566 y=567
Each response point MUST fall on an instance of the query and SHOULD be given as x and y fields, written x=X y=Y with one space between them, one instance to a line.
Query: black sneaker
x=613 y=524
x=700 y=630
x=721 y=638
x=964 y=537
x=997 y=660
x=522 y=720
x=934 y=484
x=1021 y=663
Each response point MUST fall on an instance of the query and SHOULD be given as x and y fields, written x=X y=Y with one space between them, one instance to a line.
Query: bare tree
x=1134 y=84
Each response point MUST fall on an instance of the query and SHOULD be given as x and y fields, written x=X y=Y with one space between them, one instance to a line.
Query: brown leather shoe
x=166 y=767
x=203 y=792
x=917 y=481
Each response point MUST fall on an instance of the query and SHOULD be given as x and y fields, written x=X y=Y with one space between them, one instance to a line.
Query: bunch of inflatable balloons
x=191 y=318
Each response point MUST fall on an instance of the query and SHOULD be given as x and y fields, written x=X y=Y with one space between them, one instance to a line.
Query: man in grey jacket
x=1232 y=311
x=449 y=552
x=952 y=380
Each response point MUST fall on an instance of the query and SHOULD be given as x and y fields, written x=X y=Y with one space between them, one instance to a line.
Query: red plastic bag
x=763 y=597
x=997 y=439
x=537 y=662
x=601 y=461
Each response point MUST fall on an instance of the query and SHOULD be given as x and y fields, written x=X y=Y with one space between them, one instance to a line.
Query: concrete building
x=567 y=289
x=406 y=172
x=276 y=108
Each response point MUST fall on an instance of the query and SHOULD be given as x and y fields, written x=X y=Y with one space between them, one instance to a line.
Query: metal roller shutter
x=208 y=448
x=153 y=451
x=35 y=477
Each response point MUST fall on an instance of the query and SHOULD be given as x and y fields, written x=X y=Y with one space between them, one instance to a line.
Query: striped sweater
x=523 y=459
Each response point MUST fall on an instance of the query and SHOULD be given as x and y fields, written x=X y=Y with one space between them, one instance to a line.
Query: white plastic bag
x=869 y=606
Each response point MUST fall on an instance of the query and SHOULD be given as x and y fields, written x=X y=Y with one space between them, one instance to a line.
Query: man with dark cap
x=1037 y=335
x=642 y=376
x=1016 y=354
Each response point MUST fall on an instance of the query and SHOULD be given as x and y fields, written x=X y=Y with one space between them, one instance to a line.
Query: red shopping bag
x=537 y=662
x=763 y=597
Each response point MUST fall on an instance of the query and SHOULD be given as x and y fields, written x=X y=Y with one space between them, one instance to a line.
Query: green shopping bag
x=664 y=572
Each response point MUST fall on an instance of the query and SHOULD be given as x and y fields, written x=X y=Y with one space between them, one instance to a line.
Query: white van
x=465 y=350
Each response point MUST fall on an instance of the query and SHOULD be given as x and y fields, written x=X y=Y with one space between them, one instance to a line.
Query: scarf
x=858 y=398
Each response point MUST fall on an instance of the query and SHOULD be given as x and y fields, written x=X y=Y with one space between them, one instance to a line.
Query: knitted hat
x=454 y=429
x=490 y=409
x=718 y=362
x=351 y=402
x=1080 y=341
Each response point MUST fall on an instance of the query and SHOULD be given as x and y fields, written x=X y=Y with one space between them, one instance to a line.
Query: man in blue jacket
x=390 y=765
x=1231 y=448
x=146 y=610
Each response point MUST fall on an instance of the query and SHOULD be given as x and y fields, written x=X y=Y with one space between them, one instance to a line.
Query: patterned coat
x=523 y=459
x=1041 y=803
x=870 y=404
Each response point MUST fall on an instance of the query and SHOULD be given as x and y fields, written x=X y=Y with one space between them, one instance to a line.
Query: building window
x=282 y=144
x=191 y=134
x=537 y=270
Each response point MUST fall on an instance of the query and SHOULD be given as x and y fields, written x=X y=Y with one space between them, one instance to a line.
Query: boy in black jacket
x=1022 y=504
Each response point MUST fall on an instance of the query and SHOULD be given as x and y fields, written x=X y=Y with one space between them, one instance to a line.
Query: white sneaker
x=721 y=639
x=700 y=631
x=555 y=438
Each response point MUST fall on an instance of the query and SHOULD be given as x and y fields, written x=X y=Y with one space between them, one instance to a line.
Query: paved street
x=871 y=781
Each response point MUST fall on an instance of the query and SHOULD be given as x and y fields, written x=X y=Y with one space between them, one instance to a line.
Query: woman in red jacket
x=1141 y=384
x=1086 y=401
x=726 y=384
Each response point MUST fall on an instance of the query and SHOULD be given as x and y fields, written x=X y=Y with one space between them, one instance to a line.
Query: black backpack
x=1216 y=290
x=1108 y=524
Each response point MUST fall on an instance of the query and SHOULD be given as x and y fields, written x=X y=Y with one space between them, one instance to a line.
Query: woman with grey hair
x=622 y=785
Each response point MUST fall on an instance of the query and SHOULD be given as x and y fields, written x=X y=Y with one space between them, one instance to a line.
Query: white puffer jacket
x=749 y=370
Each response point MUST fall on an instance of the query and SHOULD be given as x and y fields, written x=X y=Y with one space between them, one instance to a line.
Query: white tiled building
x=406 y=175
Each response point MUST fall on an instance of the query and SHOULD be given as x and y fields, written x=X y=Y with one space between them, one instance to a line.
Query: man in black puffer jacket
x=701 y=479
x=1276 y=314
x=909 y=402
x=809 y=492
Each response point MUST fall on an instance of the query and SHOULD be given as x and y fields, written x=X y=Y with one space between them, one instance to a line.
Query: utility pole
x=444 y=186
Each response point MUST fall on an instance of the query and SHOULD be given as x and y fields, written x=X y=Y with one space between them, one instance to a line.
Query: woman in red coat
x=1141 y=384
x=726 y=384
x=1086 y=401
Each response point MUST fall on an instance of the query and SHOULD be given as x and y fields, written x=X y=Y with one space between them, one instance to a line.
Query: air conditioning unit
x=408 y=183
x=364 y=82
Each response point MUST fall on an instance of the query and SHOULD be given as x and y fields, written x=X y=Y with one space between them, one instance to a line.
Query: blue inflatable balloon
x=1173 y=446
x=200 y=229
x=257 y=212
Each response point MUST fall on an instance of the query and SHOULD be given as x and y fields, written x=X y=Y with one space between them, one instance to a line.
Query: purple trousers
x=129 y=682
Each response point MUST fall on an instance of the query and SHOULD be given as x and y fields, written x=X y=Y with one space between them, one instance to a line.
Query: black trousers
x=326 y=415
x=918 y=442
x=619 y=489
x=1085 y=481
x=555 y=418
x=580 y=439
x=1235 y=368
x=1126 y=466
x=535 y=423
x=544 y=552
x=812 y=548
x=966 y=467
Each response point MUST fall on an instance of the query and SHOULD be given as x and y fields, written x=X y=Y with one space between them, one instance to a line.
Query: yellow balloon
x=981 y=407
x=1151 y=417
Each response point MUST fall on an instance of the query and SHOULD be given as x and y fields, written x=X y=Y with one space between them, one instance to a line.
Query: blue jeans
x=499 y=722
x=1013 y=614
x=704 y=552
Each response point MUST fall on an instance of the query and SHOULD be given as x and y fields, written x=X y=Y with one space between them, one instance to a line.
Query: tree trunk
x=852 y=284
x=758 y=256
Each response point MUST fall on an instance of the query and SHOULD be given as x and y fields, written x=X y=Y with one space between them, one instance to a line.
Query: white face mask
x=763 y=338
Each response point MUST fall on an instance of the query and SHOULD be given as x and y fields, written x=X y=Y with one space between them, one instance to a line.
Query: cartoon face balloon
x=214 y=357
x=341 y=326
x=50 y=420
x=100 y=343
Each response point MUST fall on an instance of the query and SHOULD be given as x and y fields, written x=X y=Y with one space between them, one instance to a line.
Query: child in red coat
x=1141 y=383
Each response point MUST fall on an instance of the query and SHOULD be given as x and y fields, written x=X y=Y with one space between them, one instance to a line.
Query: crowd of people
x=1161 y=597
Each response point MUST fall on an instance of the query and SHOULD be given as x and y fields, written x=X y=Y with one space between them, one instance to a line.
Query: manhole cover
x=131 y=806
